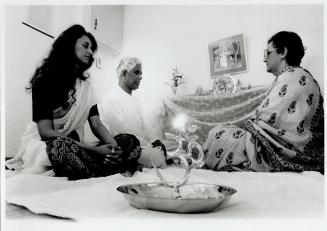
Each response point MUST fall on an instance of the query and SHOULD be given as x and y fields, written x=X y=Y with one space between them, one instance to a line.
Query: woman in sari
x=62 y=101
x=286 y=132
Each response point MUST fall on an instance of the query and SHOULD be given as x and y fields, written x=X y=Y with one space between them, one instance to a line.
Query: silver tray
x=190 y=198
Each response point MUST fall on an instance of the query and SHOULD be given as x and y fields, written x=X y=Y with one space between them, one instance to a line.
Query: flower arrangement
x=176 y=80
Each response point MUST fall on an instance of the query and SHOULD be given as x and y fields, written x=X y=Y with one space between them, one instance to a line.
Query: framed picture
x=227 y=56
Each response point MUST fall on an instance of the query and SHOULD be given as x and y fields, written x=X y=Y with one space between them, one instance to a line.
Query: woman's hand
x=110 y=153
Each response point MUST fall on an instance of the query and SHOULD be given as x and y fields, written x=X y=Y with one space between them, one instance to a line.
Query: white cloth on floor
x=259 y=195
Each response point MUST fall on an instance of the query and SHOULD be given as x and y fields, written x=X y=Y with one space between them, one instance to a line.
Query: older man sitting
x=121 y=112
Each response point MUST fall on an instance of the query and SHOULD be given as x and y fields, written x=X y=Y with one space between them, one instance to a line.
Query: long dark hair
x=59 y=71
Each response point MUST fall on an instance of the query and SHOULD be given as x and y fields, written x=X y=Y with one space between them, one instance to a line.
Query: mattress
x=286 y=195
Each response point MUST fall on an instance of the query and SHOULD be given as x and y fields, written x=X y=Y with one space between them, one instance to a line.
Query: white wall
x=23 y=49
x=162 y=37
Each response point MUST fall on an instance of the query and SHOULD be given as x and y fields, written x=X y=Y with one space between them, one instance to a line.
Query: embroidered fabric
x=210 y=111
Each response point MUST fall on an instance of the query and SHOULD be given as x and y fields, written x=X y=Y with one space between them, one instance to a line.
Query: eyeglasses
x=267 y=52
x=138 y=72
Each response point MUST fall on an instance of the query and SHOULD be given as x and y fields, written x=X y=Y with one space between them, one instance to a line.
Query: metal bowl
x=190 y=198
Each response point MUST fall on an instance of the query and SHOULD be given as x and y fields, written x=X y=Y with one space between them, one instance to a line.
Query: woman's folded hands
x=110 y=153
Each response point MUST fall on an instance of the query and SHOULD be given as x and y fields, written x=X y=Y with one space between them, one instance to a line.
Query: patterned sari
x=286 y=133
x=71 y=161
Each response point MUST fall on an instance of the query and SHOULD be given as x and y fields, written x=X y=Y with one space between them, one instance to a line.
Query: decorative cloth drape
x=209 y=111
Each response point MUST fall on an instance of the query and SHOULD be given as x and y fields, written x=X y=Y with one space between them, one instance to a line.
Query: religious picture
x=227 y=56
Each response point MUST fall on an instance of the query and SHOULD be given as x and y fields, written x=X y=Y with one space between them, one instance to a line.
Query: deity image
x=226 y=55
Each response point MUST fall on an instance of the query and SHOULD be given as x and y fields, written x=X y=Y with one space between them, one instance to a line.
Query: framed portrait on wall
x=227 y=56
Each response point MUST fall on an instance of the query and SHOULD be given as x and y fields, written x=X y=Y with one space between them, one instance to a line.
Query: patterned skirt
x=69 y=160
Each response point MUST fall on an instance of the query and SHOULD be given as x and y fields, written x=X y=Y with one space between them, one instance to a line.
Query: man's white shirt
x=121 y=112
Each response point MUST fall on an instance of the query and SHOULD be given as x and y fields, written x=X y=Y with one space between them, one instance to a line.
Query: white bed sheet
x=259 y=195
